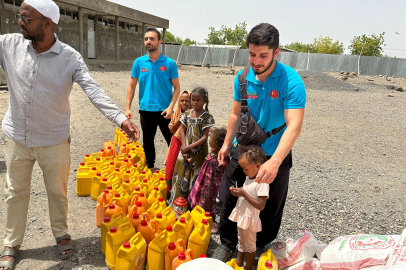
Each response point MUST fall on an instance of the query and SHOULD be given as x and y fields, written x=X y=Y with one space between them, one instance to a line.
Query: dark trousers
x=149 y=123
x=271 y=216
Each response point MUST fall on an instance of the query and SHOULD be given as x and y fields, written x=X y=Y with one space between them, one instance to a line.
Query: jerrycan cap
x=117 y=169
x=144 y=223
x=87 y=155
x=102 y=150
x=202 y=256
x=171 y=246
x=142 y=194
x=109 y=187
x=181 y=256
x=160 y=199
x=107 y=219
x=156 y=171
x=204 y=221
x=143 y=172
x=136 y=216
x=104 y=179
x=82 y=163
x=207 y=214
x=98 y=174
x=117 y=195
x=135 y=165
x=127 y=181
x=129 y=156
x=124 y=144
x=112 y=206
x=269 y=265
x=127 y=245
x=182 y=220
x=137 y=188
x=109 y=147
x=161 y=178
x=169 y=228
x=111 y=162
x=159 y=215
x=113 y=229
x=137 y=146
x=106 y=191
x=93 y=168
x=133 y=148
x=145 y=180
x=155 y=188
x=139 y=204
x=98 y=159
x=127 y=171
x=125 y=160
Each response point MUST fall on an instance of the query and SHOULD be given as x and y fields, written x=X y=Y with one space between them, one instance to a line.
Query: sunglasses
x=27 y=20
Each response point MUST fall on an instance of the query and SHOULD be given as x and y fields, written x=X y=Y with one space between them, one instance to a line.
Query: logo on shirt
x=252 y=95
x=144 y=69
x=274 y=93
x=163 y=69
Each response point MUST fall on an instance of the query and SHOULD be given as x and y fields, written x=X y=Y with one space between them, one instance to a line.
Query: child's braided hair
x=253 y=153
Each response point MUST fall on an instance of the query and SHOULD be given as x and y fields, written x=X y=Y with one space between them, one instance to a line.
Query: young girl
x=176 y=129
x=252 y=199
x=207 y=184
x=196 y=124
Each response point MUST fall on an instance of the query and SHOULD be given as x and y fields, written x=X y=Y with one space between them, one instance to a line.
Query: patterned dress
x=207 y=185
x=185 y=173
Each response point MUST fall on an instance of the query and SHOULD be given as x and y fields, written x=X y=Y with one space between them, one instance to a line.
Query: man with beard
x=276 y=99
x=40 y=72
x=156 y=75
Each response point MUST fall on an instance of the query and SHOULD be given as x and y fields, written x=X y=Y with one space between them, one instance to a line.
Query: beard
x=152 y=48
x=267 y=67
x=36 y=35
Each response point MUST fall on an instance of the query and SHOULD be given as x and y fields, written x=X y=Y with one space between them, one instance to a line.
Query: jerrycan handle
x=154 y=225
x=137 y=237
x=146 y=217
x=134 y=200
x=117 y=215
x=180 y=243
x=125 y=224
x=189 y=252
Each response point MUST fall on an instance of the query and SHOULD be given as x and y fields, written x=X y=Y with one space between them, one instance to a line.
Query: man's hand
x=131 y=129
x=168 y=112
x=128 y=114
x=223 y=153
x=267 y=172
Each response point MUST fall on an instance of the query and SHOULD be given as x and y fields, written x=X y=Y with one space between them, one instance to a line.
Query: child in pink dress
x=252 y=199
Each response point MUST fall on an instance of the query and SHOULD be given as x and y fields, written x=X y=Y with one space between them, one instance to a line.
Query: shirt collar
x=56 y=47
x=160 y=59
x=277 y=72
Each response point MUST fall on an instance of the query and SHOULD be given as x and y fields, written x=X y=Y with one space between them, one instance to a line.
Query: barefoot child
x=207 y=185
x=252 y=199
x=196 y=124
x=175 y=128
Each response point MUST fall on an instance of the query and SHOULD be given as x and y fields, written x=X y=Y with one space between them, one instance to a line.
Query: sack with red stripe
x=365 y=251
x=309 y=264
x=295 y=250
x=397 y=256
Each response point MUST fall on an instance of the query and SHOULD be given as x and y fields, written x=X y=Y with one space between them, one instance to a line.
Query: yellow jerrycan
x=112 y=166
x=183 y=227
x=156 y=249
x=117 y=135
x=128 y=186
x=198 y=214
x=134 y=170
x=155 y=176
x=172 y=251
x=138 y=190
x=169 y=215
x=161 y=184
x=199 y=239
x=84 y=178
x=153 y=196
x=157 y=207
x=113 y=221
x=94 y=192
x=162 y=172
x=267 y=261
x=121 y=199
x=131 y=255
x=234 y=265
x=118 y=160
x=115 y=238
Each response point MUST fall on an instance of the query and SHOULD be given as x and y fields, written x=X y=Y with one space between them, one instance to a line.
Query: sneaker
x=214 y=229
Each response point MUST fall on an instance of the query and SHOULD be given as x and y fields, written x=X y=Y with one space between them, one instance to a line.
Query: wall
x=130 y=44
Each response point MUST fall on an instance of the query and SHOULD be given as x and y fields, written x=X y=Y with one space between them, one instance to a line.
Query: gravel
x=348 y=172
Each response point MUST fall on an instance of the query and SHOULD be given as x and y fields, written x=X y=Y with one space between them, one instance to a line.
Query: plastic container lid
x=269 y=265
x=143 y=172
x=144 y=223
x=160 y=199
x=111 y=163
x=127 y=171
x=117 y=195
x=104 y=179
x=161 y=178
x=117 y=169
x=109 y=147
x=102 y=150
x=87 y=155
x=135 y=165
x=136 y=216
x=204 y=221
x=156 y=188
x=171 y=246
x=125 y=160
x=124 y=144
x=169 y=228
x=202 y=256
x=156 y=171
x=127 y=245
x=107 y=219
x=106 y=191
x=137 y=188
x=159 y=215
x=181 y=256
x=112 y=206
x=98 y=174
x=142 y=194
x=93 y=168
x=82 y=163
x=145 y=180
x=109 y=187
x=139 y=204
x=113 y=229
x=182 y=220
x=129 y=156
x=127 y=181
x=207 y=214
x=98 y=159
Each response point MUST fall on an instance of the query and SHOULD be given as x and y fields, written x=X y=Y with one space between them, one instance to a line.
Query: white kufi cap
x=48 y=8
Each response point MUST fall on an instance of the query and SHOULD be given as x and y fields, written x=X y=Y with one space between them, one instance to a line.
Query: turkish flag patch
x=274 y=94
x=163 y=68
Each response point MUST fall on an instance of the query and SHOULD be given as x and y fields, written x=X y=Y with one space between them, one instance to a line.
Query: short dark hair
x=218 y=135
x=264 y=34
x=253 y=153
x=153 y=29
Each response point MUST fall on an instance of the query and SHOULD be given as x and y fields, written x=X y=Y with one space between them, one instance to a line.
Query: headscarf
x=176 y=114
x=48 y=8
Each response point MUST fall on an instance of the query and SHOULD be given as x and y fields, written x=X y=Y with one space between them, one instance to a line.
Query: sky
x=296 y=20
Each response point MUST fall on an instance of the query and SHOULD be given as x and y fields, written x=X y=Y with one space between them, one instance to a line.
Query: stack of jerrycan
x=132 y=254
x=172 y=251
x=157 y=207
x=103 y=203
x=156 y=249
x=115 y=239
x=109 y=222
x=160 y=183
x=165 y=219
x=267 y=261
x=199 y=239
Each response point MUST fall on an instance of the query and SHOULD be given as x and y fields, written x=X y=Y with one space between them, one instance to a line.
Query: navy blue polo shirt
x=155 y=85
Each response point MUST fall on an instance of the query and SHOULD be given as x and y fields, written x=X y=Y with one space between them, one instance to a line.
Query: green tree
x=171 y=38
x=228 y=36
x=369 y=45
x=188 y=42
x=327 y=46
x=300 y=47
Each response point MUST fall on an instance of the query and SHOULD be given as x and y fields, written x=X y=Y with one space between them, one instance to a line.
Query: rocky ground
x=348 y=172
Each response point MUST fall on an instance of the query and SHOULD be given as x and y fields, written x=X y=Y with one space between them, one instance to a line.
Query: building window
x=133 y=27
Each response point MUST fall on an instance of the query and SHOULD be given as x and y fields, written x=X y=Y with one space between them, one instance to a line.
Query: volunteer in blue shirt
x=156 y=74
x=276 y=95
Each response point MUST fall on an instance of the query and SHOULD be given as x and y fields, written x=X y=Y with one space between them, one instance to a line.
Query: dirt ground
x=348 y=172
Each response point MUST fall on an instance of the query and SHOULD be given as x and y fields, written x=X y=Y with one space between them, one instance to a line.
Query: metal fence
x=223 y=57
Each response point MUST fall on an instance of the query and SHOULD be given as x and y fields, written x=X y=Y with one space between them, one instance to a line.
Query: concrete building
x=98 y=29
